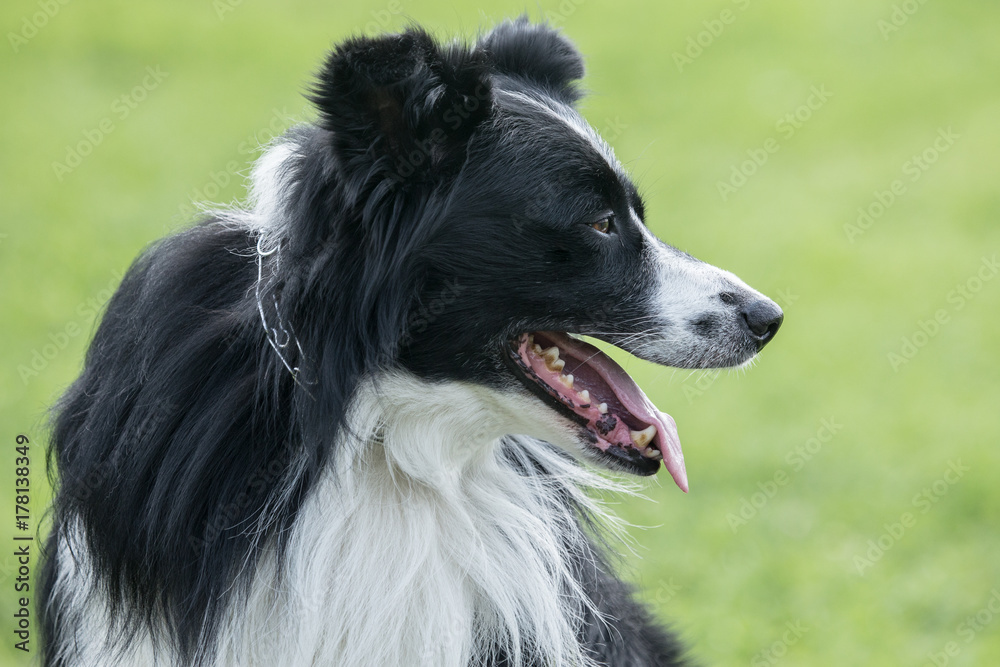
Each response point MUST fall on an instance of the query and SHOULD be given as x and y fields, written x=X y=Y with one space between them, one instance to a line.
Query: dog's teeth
x=559 y=365
x=603 y=408
x=654 y=453
x=643 y=437
x=551 y=356
x=531 y=339
x=584 y=396
x=537 y=349
x=566 y=380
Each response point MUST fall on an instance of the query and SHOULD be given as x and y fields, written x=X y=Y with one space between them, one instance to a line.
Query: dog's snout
x=763 y=317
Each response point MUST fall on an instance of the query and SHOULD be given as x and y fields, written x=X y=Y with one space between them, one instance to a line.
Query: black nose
x=763 y=318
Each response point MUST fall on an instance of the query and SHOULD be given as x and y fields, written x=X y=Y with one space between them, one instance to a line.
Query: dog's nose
x=763 y=318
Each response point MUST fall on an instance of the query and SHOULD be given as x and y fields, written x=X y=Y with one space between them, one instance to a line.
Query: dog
x=354 y=421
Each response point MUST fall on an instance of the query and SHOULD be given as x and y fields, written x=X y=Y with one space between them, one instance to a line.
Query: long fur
x=297 y=438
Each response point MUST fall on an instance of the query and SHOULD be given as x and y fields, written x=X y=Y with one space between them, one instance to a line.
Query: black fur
x=426 y=221
x=538 y=54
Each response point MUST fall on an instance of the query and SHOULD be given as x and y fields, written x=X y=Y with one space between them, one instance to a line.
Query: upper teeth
x=643 y=437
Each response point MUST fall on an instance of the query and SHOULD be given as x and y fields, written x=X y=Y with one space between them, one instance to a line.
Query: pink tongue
x=634 y=400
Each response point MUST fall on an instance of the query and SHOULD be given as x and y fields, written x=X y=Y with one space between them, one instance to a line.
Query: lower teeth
x=643 y=437
x=640 y=439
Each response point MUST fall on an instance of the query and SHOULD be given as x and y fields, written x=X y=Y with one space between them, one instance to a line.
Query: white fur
x=268 y=187
x=420 y=546
x=569 y=117
x=688 y=289
x=93 y=643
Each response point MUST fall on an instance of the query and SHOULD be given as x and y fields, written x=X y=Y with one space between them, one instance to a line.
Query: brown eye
x=603 y=225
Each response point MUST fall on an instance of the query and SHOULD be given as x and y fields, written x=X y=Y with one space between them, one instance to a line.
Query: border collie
x=353 y=423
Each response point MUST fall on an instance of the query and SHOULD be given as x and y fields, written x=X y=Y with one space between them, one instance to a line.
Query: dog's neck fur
x=431 y=540
x=434 y=539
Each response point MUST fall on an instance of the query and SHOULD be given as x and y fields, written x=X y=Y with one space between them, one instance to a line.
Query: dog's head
x=469 y=175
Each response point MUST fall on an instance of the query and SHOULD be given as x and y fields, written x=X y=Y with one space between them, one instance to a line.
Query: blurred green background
x=840 y=157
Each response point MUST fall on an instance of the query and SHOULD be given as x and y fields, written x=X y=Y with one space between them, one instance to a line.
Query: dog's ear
x=538 y=53
x=401 y=105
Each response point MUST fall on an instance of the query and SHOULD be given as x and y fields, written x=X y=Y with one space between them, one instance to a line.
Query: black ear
x=537 y=53
x=401 y=104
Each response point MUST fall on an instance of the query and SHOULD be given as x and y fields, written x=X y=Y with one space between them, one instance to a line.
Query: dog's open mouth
x=592 y=390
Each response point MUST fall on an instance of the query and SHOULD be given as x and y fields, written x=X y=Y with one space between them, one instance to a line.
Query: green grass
x=848 y=305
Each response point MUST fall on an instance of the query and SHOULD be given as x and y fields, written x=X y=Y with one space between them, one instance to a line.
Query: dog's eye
x=604 y=224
